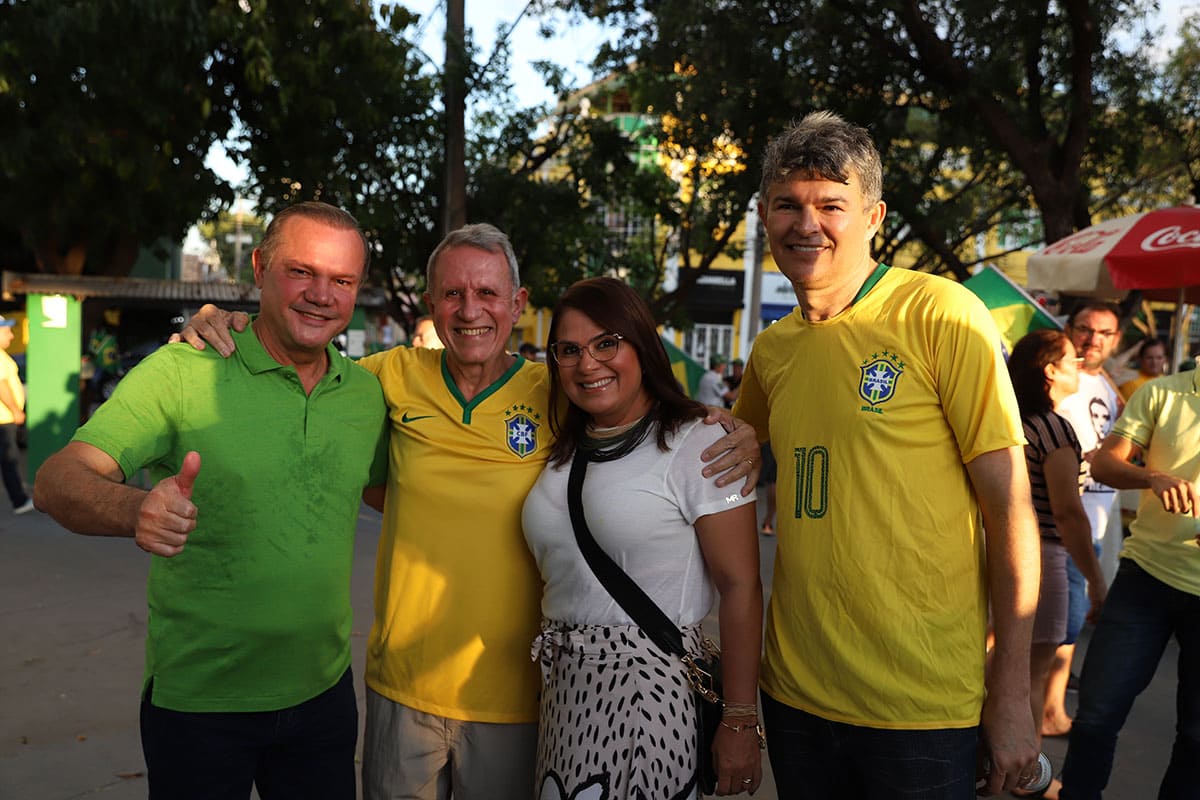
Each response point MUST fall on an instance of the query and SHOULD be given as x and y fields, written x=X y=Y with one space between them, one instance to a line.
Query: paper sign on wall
x=54 y=311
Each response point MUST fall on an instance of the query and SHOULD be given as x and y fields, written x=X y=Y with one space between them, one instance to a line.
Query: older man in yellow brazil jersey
x=895 y=427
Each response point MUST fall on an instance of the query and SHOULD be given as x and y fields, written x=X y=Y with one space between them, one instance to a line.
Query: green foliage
x=104 y=140
x=552 y=179
x=104 y=136
x=337 y=108
x=1178 y=110
x=987 y=112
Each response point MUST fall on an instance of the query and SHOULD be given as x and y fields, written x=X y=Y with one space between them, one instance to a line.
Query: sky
x=572 y=48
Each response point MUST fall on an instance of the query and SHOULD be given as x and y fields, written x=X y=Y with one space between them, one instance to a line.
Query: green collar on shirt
x=257 y=359
x=870 y=282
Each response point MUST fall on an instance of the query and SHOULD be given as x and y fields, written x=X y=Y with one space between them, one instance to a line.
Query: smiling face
x=820 y=231
x=308 y=289
x=610 y=392
x=474 y=306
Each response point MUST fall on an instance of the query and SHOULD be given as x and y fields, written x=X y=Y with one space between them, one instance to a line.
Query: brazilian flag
x=687 y=370
x=1016 y=313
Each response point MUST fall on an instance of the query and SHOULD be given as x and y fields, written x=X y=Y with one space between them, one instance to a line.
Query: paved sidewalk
x=72 y=631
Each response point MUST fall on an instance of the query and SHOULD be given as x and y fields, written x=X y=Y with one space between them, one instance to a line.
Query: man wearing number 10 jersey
x=898 y=438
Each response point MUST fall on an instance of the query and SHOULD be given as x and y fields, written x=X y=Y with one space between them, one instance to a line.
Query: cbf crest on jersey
x=879 y=374
x=521 y=427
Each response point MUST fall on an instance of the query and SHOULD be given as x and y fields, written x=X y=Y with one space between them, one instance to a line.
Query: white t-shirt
x=640 y=509
x=1092 y=410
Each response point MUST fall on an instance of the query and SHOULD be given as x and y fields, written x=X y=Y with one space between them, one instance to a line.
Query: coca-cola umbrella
x=1155 y=252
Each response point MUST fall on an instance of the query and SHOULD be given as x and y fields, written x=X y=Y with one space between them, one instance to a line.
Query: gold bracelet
x=757 y=728
x=739 y=710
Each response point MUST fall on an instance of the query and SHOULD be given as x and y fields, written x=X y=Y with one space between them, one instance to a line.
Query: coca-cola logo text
x=1082 y=242
x=1170 y=238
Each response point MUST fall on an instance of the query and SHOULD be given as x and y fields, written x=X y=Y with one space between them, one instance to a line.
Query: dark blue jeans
x=302 y=752
x=814 y=758
x=10 y=467
x=1078 y=608
x=1140 y=615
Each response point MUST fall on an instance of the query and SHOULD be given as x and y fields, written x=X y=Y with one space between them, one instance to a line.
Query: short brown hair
x=827 y=146
x=317 y=211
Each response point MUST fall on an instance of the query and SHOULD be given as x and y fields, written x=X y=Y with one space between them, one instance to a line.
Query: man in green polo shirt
x=259 y=462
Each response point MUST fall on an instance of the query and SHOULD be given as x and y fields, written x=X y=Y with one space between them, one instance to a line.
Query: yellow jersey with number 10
x=878 y=606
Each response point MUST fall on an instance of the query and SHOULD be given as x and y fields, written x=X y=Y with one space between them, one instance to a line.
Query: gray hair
x=316 y=211
x=481 y=236
x=825 y=145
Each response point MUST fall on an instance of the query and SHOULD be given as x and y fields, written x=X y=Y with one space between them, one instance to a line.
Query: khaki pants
x=411 y=755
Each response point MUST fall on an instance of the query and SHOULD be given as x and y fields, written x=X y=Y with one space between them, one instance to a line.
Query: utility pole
x=454 y=213
x=755 y=310
x=238 y=238
x=237 y=241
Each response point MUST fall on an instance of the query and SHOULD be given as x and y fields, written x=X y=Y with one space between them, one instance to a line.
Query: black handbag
x=703 y=671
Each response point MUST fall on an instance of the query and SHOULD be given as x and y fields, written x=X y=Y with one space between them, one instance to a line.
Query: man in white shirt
x=1095 y=331
x=712 y=388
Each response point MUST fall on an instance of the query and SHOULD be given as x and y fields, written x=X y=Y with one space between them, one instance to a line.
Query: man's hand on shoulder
x=167 y=514
x=736 y=453
x=212 y=325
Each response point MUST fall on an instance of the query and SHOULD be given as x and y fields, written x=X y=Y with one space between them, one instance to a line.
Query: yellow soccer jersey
x=878 y=606
x=456 y=589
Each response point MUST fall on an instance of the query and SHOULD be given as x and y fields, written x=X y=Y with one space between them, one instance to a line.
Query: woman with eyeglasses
x=617 y=711
x=1045 y=370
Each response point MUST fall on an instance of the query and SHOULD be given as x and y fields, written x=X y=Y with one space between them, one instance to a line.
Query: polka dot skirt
x=617 y=718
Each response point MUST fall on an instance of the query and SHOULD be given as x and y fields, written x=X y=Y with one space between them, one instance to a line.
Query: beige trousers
x=411 y=755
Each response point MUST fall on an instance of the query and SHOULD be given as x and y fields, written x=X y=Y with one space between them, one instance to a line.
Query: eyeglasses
x=602 y=348
x=1086 y=331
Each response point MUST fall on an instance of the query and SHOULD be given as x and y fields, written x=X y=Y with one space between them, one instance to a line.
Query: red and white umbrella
x=1156 y=252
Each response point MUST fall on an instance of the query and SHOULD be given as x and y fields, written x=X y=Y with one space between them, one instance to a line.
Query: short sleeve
x=696 y=495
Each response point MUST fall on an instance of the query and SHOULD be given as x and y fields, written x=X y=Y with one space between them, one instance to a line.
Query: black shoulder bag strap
x=636 y=603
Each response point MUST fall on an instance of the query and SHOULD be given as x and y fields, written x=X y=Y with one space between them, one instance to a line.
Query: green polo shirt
x=254 y=614
x=1163 y=418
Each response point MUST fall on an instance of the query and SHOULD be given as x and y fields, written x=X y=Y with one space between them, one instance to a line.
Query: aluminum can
x=1038 y=781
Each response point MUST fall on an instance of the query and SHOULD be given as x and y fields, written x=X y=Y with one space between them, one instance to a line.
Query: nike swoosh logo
x=407 y=419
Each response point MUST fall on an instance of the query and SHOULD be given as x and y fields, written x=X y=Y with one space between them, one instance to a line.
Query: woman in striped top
x=1045 y=371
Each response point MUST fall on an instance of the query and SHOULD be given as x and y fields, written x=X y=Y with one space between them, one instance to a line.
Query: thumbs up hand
x=167 y=514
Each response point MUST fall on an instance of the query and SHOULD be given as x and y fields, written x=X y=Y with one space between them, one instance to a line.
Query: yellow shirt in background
x=1163 y=418
x=10 y=375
